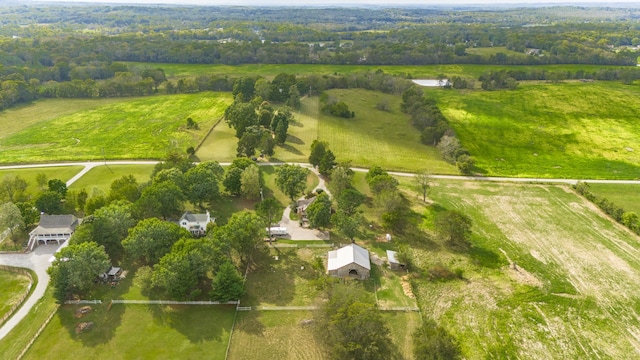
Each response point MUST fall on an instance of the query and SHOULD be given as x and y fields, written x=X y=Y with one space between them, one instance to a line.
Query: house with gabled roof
x=349 y=261
x=196 y=224
x=52 y=228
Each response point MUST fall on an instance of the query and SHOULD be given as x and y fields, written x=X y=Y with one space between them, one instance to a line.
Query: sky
x=354 y=2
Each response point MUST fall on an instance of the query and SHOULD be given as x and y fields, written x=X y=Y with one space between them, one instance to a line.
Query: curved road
x=38 y=260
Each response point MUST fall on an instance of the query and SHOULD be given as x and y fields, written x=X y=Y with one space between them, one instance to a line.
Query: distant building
x=196 y=224
x=349 y=261
x=52 y=228
x=432 y=83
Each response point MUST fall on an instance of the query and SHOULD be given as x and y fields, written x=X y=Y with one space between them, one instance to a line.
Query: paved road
x=38 y=260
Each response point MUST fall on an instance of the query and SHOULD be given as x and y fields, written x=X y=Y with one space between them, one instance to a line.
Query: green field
x=573 y=289
x=625 y=196
x=13 y=287
x=100 y=178
x=140 y=128
x=137 y=332
x=571 y=130
x=63 y=173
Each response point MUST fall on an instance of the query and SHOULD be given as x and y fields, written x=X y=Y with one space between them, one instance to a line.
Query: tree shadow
x=269 y=280
x=105 y=318
x=294 y=140
x=249 y=322
x=296 y=123
x=485 y=257
x=291 y=149
x=198 y=323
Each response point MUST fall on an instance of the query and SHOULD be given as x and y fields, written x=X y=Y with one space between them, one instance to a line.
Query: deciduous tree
x=319 y=212
x=291 y=180
x=251 y=182
x=227 y=284
x=423 y=182
x=151 y=239
x=11 y=218
x=454 y=228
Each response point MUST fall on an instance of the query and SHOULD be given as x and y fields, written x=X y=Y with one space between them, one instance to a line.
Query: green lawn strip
x=565 y=296
x=275 y=335
x=12 y=345
x=402 y=326
x=389 y=289
x=137 y=331
x=13 y=287
x=415 y=71
x=101 y=177
x=63 y=173
x=626 y=196
x=570 y=130
x=140 y=128
x=375 y=137
x=301 y=133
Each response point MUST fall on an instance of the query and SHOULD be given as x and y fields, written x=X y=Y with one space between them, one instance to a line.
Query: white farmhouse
x=196 y=224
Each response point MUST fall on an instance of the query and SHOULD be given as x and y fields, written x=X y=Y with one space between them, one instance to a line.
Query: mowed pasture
x=30 y=175
x=548 y=276
x=140 y=128
x=13 y=286
x=99 y=178
x=137 y=332
x=626 y=196
x=376 y=137
x=569 y=130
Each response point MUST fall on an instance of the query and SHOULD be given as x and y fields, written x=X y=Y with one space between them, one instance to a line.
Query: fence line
x=301 y=245
x=285 y=308
x=399 y=308
x=77 y=302
x=25 y=294
x=171 y=302
x=33 y=339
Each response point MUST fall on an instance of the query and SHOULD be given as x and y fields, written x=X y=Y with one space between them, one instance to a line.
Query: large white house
x=349 y=261
x=52 y=228
x=196 y=224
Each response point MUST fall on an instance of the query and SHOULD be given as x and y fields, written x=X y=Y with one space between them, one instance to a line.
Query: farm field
x=625 y=196
x=100 y=178
x=140 y=128
x=376 y=137
x=169 y=332
x=13 y=287
x=569 y=130
x=572 y=294
x=269 y=71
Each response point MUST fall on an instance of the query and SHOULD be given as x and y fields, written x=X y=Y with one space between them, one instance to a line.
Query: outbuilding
x=349 y=261
x=52 y=228
x=394 y=263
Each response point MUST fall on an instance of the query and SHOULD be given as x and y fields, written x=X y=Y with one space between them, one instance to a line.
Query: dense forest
x=76 y=51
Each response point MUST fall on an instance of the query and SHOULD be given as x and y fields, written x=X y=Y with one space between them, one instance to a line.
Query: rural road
x=38 y=260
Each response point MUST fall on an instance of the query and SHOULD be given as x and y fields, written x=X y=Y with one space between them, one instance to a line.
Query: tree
x=161 y=200
x=319 y=212
x=41 y=180
x=465 y=164
x=294 y=97
x=349 y=200
x=76 y=267
x=269 y=209
x=281 y=131
x=11 y=218
x=13 y=187
x=30 y=213
x=249 y=141
x=180 y=271
x=318 y=149
x=227 y=285
x=201 y=185
x=291 y=180
x=58 y=186
x=49 y=202
x=233 y=181
x=382 y=183
x=347 y=225
x=449 y=146
x=125 y=188
x=423 y=182
x=341 y=178
x=251 y=182
x=327 y=163
x=454 y=228
x=94 y=203
x=240 y=116
x=151 y=239
x=81 y=199
x=244 y=233
x=111 y=225
x=352 y=328
x=431 y=342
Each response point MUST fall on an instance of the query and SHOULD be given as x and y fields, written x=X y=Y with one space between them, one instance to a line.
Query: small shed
x=392 y=258
x=112 y=274
x=349 y=261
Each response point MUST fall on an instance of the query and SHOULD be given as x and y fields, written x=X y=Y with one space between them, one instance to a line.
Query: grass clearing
x=137 y=331
x=139 y=128
x=574 y=288
x=13 y=286
x=627 y=196
x=375 y=137
x=100 y=178
x=63 y=173
x=569 y=130
x=274 y=335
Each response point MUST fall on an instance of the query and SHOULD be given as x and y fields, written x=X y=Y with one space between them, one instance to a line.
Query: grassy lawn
x=623 y=195
x=570 y=130
x=13 y=287
x=63 y=173
x=101 y=177
x=375 y=137
x=12 y=344
x=574 y=283
x=402 y=325
x=301 y=133
x=137 y=332
x=220 y=145
x=274 y=335
x=136 y=129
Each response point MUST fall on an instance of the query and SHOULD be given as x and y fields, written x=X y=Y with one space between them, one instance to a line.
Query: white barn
x=349 y=261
